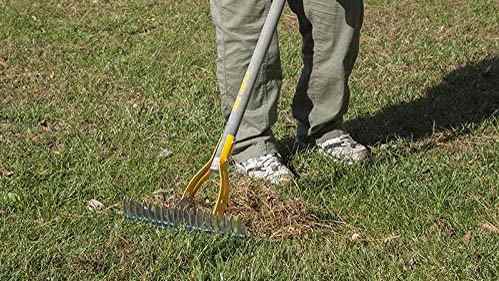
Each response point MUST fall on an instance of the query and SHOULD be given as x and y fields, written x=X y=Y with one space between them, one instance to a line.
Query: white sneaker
x=268 y=167
x=345 y=149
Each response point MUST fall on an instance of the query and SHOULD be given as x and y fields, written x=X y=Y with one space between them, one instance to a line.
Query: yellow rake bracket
x=203 y=175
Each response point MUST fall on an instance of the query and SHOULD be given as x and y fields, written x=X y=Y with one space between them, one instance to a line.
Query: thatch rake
x=183 y=214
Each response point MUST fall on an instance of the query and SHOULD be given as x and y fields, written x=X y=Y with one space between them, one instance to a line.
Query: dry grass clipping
x=262 y=210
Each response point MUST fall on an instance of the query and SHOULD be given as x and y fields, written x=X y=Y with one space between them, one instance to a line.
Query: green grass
x=92 y=91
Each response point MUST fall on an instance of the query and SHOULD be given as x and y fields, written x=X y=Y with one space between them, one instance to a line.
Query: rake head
x=190 y=218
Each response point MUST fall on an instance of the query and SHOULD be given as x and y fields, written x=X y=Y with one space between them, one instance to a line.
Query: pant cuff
x=254 y=151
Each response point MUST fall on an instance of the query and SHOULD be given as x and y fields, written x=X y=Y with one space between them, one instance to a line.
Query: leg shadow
x=467 y=95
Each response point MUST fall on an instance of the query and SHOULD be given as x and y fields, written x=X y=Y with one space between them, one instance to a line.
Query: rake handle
x=248 y=83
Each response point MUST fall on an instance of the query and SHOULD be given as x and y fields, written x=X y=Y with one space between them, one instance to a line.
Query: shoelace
x=344 y=140
x=264 y=163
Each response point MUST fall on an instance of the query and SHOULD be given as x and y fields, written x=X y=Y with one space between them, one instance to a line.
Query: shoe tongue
x=267 y=157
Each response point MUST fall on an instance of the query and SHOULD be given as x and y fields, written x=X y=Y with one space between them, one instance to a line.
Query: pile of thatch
x=263 y=210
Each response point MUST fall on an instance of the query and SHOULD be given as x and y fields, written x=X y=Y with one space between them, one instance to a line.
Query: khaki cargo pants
x=330 y=31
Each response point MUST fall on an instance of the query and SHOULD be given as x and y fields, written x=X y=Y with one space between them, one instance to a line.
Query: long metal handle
x=248 y=83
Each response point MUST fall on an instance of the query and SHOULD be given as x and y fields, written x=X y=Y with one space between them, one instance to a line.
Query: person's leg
x=238 y=25
x=330 y=31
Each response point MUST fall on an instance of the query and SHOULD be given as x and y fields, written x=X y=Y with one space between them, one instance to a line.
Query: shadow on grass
x=467 y=95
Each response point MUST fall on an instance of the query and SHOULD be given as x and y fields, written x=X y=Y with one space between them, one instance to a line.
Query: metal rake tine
x=160 y=215
x=142 y=211
x=176 y=216
x=232 y=228
x=182 y=217
x=196 y=220
x=235 y=225
x=208 y=221
x=200 y=220
x=190 y=218
x=154 y=215
x=128 y=210
x=225 y=225
x=212 y=222
x=228 y=223
x=164 y=217
x=134 y=211
x=193 y=219
x=169 y=214
x=125 y=207
x=147 y=212
x=221 y=224
x=131 y=209
x=232 y=225
x=179 y=216
x=241 y=229
x=139 y=210
x=155 y=211
x=185 y=216
x=150 y=214
x=173 y=214
x=171 y=218
x=216 y=223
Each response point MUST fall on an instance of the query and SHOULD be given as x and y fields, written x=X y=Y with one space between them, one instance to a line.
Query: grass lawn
x=92 y=91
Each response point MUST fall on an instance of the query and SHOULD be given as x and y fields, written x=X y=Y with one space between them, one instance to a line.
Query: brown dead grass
x=266 y=213
x=263 y=211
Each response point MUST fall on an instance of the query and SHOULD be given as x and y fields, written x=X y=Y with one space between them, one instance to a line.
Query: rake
x=183 y=214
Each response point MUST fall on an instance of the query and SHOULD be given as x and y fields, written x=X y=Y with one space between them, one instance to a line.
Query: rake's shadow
x=467 y=95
